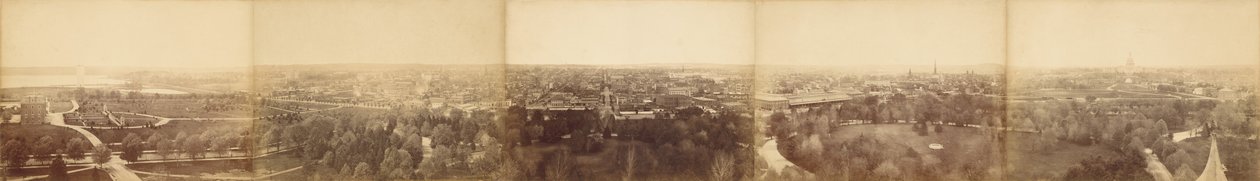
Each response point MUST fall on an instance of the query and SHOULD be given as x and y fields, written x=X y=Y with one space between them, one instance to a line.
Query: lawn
x=76 y=176
x=235 y=168
x=1026 y=162
x=31 y=133
x=1238 y=155
x=177 y=108
x=60 y=106
x=1082 y=93
x=170 y=130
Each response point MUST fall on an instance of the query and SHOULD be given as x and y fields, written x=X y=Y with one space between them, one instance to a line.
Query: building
x=770 y=102
x=800 y=102
x=1129 y=68
x=681 y=91
x=34 y=109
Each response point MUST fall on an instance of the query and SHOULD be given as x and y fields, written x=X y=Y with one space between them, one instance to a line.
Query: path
x=770 y=152
x=222 y=177
x=1182 y=136
x=1214 y=170
x=115 y=168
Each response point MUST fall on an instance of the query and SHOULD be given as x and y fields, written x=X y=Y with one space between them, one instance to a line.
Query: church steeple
x=1130 y=62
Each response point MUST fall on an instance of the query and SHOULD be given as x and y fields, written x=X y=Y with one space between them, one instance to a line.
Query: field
x=32 y=132
x=82 y=175
x=16 y=93
x=1024 y=162
x=60 y=106
x=228 y=168
x=1083 y=93
x=170 y=130
x=1239 y=156
x=188 y=109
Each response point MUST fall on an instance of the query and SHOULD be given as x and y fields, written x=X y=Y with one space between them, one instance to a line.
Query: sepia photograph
x=881 y=90
x=629 y=90
x=668 y=90
x=1150 y=90
x=251 y=90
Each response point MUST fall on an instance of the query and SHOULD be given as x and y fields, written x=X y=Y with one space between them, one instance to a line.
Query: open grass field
x=1238 y=154
x=181 y=108
x=1083 y=93
x=60 y=106
x=228 y=168
x=170 y=130
x=1024 y=162
x=17 y=93
x=33 y=132
x=86 y=175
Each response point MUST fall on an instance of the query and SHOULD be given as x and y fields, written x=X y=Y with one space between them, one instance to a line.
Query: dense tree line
x=693 y=146
x=372 y=144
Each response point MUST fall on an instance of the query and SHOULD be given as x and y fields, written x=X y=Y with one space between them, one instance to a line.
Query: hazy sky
x=1157 y=33
x=396 y=31
x=124 y=33
x=880 y=32
x=630 y=32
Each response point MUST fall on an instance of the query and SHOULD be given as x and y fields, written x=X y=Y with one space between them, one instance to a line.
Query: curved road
x=115 y=167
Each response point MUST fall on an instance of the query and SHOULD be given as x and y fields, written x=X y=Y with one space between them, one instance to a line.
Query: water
x=158 y=91
x=16 y=81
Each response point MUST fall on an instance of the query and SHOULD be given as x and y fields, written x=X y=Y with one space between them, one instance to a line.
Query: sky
x=396 y=32
x=124 y=33
x=904 y=32
x=139 y=33
x=1157 y=33
x=630 y=32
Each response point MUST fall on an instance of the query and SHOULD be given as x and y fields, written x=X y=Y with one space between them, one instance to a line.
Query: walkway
x=770 y=152
x=1214 y=170
x=222 y=177
x=1182 y=136
x=115 y=168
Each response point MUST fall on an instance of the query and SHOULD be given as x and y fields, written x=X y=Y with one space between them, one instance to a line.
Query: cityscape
x=908 y=90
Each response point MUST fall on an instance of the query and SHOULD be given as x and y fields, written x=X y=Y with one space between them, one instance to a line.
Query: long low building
x=775 y=102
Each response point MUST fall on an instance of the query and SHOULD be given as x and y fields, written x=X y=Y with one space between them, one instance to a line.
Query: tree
x=559 y=166
x=443 y=135
x=811 y=149
x=14 y=152
x=154 y=139
x=1179 y=157
x=888 y=170
x=76 y=147
x=362 y=170
x=194 y=146
x=102 y=154
x=1184 y=173
x=133 y=146
x=44 y=147
x=166 y=149
x=57 y=171
x=722 y=167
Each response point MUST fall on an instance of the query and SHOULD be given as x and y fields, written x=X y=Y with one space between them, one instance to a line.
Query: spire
x=933 y=66
x=1130 y=62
